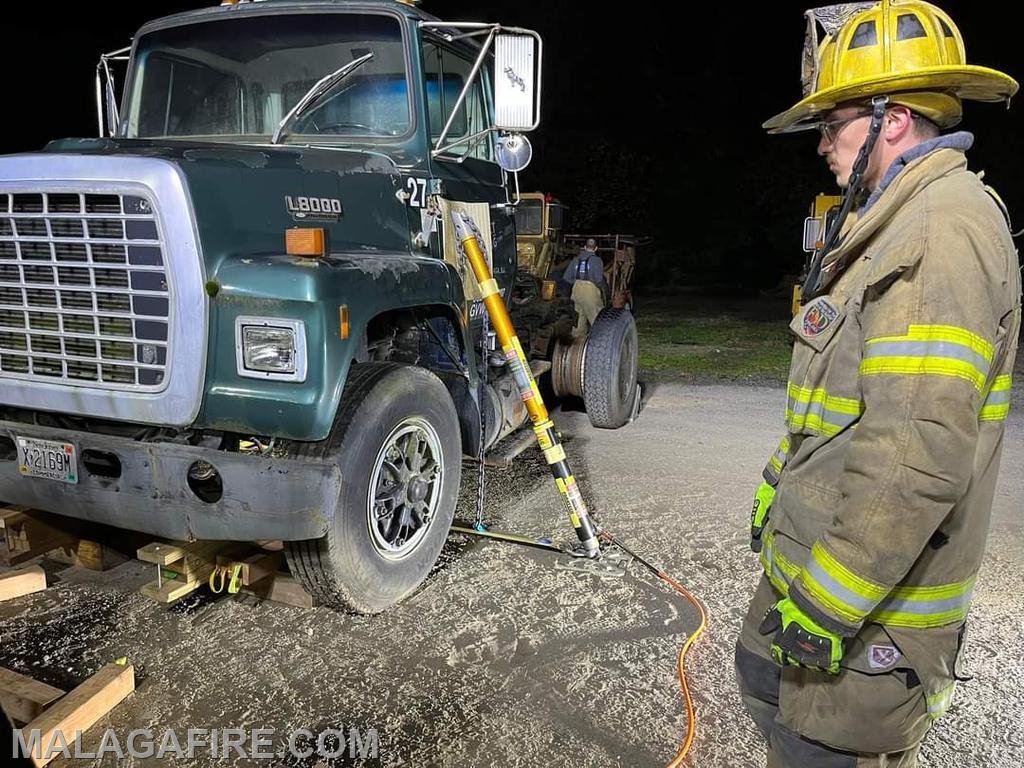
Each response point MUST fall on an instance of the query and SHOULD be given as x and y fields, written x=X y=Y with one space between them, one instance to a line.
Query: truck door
x=468 y=171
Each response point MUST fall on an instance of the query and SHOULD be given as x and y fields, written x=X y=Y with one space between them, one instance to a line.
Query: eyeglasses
x=830 y=129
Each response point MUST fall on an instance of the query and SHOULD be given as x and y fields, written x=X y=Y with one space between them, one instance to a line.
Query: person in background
x=585 y=274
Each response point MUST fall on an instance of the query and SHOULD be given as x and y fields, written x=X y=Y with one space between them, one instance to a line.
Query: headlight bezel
x=297 y=328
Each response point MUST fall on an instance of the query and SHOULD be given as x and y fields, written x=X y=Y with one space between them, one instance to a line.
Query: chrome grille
x=84 y=290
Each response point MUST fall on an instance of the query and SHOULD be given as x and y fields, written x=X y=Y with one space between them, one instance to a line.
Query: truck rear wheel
x=397 y=442
x=610 y=369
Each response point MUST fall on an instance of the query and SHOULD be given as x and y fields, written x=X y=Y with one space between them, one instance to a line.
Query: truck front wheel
x=396 y=440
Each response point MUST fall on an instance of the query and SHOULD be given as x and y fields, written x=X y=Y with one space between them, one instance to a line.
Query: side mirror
x=513 y=152
x=812 y=233
x=517 y=68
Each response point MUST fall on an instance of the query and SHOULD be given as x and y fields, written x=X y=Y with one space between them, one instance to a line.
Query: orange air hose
x=690 y=640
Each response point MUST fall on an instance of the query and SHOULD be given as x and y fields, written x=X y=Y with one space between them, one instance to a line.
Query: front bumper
x=263 y=498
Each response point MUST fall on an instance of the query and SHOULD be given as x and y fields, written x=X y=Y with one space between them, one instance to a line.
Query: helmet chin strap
x=814 y=285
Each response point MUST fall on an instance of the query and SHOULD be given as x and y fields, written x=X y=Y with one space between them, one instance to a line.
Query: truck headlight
x=270 y=348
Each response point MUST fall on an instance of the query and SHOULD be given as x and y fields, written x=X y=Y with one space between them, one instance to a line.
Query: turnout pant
x=873 y=713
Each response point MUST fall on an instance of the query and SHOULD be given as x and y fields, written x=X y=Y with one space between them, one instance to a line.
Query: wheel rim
x=405 y=489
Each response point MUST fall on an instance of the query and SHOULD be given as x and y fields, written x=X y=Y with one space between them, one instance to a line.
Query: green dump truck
x=241 y=312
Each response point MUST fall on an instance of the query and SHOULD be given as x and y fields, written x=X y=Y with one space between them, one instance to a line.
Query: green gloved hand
x=759 y=514
x=799 y=640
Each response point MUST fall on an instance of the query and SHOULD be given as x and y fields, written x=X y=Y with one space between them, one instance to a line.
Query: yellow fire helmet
x=906 y=49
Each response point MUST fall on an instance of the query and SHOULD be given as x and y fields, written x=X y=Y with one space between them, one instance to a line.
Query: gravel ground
x=501 y=659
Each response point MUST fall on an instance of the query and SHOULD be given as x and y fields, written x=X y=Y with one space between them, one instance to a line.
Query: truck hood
x=245 y=198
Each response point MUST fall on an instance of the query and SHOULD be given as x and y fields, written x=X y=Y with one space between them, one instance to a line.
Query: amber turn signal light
x=306 y=242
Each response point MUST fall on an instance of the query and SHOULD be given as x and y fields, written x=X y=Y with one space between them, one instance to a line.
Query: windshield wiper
x=318 y=91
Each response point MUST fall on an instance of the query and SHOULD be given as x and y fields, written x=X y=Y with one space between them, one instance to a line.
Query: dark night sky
x=651 y=115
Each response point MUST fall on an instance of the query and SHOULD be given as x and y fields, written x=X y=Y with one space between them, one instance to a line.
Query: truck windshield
x=241 y=76
x=530 y=217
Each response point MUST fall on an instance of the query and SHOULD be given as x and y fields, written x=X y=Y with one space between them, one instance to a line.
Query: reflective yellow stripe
x=777 y=568
x=838 y=589
x=924 y=607
x=816 y=411
x=938 y=350
x=916 y=607
x=915 y=366
x=950 y=333
x=939 y=702
x=1002 y=383
x=838 y=404
x=916 y=621
x=994 y=412
x=997 y=404
x=778 y=459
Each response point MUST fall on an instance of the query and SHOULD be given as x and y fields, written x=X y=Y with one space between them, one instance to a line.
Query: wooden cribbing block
x=23 y=698
x=192 y=562
x=22 y=582
x=255 y=567
x=282 y=588
x=87 y=554
x=172 y=589
x=31 y=533
x=9 y=510
x=81 y=708
x=165 y=553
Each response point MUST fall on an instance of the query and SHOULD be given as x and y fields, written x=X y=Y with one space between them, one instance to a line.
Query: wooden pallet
x=36 y=706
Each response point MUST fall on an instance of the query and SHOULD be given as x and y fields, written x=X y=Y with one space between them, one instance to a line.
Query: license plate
x=47 y=458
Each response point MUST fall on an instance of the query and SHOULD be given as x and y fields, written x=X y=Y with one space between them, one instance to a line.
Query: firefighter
x=872 y=518
x=585 y=274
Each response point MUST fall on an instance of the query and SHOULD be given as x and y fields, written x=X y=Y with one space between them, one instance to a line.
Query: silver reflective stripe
x=926 y=607
x=802 y=410
x=921 y=349
x=1002 y=397
x=777 y=571
x=939 y=702
x=837 y=590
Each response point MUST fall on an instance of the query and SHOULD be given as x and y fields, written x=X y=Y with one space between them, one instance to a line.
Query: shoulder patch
x=820 y=314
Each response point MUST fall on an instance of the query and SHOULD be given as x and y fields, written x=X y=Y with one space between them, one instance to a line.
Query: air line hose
x=690 y=640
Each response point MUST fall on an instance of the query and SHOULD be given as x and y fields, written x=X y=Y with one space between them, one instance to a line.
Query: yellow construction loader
x=823 y=209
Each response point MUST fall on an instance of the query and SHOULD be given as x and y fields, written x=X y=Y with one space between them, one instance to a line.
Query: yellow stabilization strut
x=543 y=427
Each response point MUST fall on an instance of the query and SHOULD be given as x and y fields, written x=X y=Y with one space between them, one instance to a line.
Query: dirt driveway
x=503 y=660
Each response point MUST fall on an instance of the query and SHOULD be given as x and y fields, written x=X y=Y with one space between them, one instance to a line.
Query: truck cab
x=242 y=313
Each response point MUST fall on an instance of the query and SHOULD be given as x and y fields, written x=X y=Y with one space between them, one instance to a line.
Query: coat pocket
x=929 y=657
x=892 y=685
x=876 y=704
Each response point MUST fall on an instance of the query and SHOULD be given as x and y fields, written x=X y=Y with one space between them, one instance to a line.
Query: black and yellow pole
x=543 y=426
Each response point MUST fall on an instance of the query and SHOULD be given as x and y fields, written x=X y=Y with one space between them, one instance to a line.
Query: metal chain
x=484 y=354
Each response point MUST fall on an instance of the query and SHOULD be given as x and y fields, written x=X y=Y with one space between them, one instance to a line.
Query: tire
x=396 y=436
x=610 y=369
